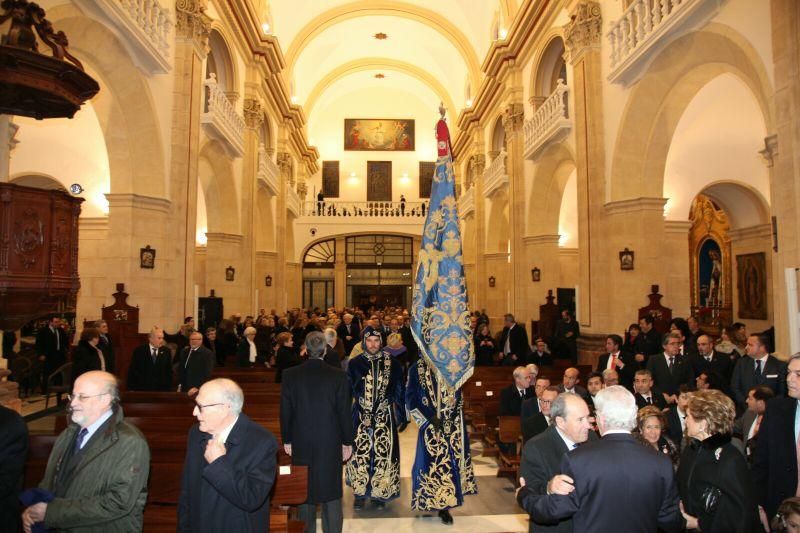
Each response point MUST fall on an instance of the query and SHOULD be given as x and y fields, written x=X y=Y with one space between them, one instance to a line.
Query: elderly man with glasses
x=96 y=476
x=230 y=465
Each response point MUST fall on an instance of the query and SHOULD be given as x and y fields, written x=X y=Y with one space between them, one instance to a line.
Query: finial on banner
x=442 y=110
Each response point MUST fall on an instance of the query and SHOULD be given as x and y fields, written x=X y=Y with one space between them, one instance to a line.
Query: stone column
x=284 y=162
x=222 y=251
x=191 y=41
x=477 y=291
x=513 y=118
x=340 y=274
x=253 y=119
x=542 y=252
x=582 y=42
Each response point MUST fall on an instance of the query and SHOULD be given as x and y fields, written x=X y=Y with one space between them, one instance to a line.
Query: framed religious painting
x=379 y=135
x=751 y=282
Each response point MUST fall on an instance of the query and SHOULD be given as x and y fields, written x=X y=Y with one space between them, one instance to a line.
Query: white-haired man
x=229 y=467
x=592 y=485
x=334 y=348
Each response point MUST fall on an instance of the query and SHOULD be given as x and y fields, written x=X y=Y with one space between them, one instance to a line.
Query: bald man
x=570 y=384
x=151 y=365
x=99 y=465
x=230 y=465
x=195 y=364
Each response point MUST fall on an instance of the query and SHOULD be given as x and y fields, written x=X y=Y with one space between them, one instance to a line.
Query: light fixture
x=380 y=75
x=469 y=102
x=265 y=27
x=404 y=178
x=502 y=33
x=75 y=188
x=353 y=179
x=380 y=36
x=294 y=99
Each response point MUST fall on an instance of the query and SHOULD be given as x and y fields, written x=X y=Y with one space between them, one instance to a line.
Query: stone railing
x=293 y=203
x=339 y=209
x=221 y=119
x=146 y=26
x=466 y=202
x=549 y=122
x=646 y=22
x=268 y=171
x=495 y=175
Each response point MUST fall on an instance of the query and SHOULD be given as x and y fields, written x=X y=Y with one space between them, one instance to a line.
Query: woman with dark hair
x=87 y=355
x=681 y=326
x=652 y=424
x=728 y=344
x=299 y=332
x=631 y=336
x=286 y=356
x=713 y=478
x=264 y=339
x=484 y=346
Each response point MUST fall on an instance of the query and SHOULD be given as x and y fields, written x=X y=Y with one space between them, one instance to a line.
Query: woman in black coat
x=484 y=346
x=713 y=478
x=86 y=355
x=264 y=339
x=246 y=352
x=286 y=357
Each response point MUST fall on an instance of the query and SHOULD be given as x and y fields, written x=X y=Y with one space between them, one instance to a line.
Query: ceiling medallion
x=380 y=36
x=380 y=76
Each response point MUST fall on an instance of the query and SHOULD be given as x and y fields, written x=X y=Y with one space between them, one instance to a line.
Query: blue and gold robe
x=379 y=393
x=442 y=473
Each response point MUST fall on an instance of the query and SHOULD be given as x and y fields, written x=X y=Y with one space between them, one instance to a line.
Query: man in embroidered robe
x=376 y=379
x=442 y=473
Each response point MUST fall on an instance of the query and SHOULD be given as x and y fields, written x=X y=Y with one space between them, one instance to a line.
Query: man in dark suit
x=317 y=430
x=615 y=359
x=775 y=472
x=570 y=384
x=541 y=356
x=648 y=342
x=644 y=492
x=541 y=455
x=13 y=452
x=511 y=397
x=349 y=333
x=151 y=365
x=532 y=406
x=51 y=347
x=537 y=423
x=758 y=368
x=195 y=364
x=708 y=360
x=746 y=427
x=230 y=465
x=106 y=346
x=514 y=345
x=566 y=335
x=670 y=370
x=644 y=393
x=676 y=416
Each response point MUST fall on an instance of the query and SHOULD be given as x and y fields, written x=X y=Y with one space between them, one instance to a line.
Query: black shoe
x=358 y=504
x=379 y=505
x=446 y=517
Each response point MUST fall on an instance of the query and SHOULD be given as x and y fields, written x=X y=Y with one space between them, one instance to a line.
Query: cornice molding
x=138 y=201
x=634 y=205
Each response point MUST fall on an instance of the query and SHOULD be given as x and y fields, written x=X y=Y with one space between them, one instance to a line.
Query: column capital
x=253 y=116
x=584 y=30
x=770 y=151
x=513 y=118
x=284 y=161
x=192 y=23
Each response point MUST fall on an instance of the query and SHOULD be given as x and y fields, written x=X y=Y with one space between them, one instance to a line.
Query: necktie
x=758 y=370
x=671 y=363
x=155 y=355
x=188 y=357
x=79 y=441
x=649 y=400
x=521 y=394
x=58 y=341
x=613 y=361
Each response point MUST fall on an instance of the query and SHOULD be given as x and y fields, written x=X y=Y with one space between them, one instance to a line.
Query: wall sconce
x=536 y=274
x=268 y=281
x=492 y=281
x=230 y=272
x=626 y=260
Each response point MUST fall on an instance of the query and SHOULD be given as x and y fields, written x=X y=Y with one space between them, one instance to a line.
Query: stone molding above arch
x=550 y=177
x=364 y=8
x=657 y=103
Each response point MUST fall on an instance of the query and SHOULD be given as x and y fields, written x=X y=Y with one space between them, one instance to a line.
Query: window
x=379 y=249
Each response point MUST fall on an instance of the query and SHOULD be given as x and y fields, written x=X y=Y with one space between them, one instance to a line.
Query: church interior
x=248 y=155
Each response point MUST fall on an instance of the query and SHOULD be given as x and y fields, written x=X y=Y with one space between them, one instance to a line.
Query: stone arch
x=38 y=180
x=220 y=59
x=498 y=136
x=549 y=67
x=497 y=230
x=266 y=134
x=549 y=180
x=657 y=103
x=215 y=175
x=265 y=223
x=744 y=205
x=124 y=106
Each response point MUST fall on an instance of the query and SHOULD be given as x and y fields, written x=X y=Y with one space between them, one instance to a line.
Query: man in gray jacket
x=98 y=469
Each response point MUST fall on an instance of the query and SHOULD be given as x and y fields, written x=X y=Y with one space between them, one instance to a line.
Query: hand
x=691 y=521
x=436 y=423
x=618 y=363
x=670 y=398
x=402 y=427
x=569 y=334
x=513 y=357
x=560 y=484
x=288 y=449
x=639 y=358
x=41 y=358
x=347 y=451
x=214 y=450
x=521 y=484
x=762 y=515
x=193 y=391
x=33 y=514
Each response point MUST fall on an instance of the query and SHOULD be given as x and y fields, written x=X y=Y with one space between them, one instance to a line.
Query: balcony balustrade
x=549 y=123
x=221 y=119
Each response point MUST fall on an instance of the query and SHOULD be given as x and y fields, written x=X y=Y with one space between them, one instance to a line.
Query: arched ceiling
x=439 y=44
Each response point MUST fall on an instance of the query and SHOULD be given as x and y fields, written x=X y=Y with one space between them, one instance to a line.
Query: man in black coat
x=13 y=451
x=229 y=468
x=532 y=406
x=708 y=360
x=670 y=370
x=569 y=383
x=758 y=368
x=514 y=345
x=775 y=464
x=195 y=364
x=601 y=496
x=317 y=430
x=540 y=356
x=541 y=456
x=648 y=342
x=615 y=359
x=106 y=346
x=51 y=347
x=349 y=333
x=566 y=335
x=151 y=365
x=511 y=397
x=644 y=393
x=538 y=422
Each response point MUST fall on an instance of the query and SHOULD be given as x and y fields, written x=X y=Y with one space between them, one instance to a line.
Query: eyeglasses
x=83 y=397
x=200 y=406
x=545 y=401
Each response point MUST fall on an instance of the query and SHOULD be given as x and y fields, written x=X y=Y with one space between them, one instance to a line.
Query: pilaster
x=513 y=119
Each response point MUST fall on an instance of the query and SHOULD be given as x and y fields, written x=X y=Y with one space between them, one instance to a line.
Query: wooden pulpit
x=123 y=325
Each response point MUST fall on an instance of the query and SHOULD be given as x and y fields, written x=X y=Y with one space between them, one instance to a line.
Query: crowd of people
x=706 y=428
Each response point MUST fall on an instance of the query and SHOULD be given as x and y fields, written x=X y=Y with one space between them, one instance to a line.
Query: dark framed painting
x=379 y=181
x=751 y=281
x=147 y=257
x=379 y=135
x=426 y=169
x=330 y=179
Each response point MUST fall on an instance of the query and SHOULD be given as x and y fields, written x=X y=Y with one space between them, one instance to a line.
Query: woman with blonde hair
x=651 y=424
x=713 y=479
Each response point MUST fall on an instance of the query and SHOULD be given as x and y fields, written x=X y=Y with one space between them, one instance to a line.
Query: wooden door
x=379 y=181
